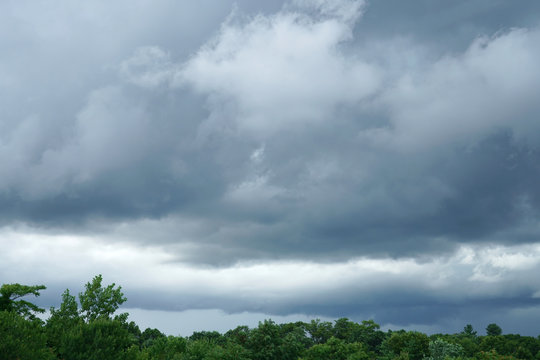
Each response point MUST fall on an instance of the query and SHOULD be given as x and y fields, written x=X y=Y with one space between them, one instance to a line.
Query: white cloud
x=149 y=67
x=471 y=273
x=281 y=71
x=467 y=96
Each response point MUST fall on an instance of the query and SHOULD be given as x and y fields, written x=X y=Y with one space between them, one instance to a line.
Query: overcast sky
x=229 y=161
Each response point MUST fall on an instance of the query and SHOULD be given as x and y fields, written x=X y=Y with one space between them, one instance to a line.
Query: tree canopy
x=10 y=299
x=98 y=302
x=493 y=330
x=86 y=328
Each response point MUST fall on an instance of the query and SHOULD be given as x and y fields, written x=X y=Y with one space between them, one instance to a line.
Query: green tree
x=264 y=341
x=239 y=335
x=412 y=344
x=202 y=350
x=167 y=348
x=523 y=353
x=10 y=299
x=469 y=331
x=267 y=342
x=61 y=321
x=22 y=339
x=91 y=332
x=441 y=350
x=319 y=331
x=212 y=336
x=337 y=349
x=493 y=355
x=344 y=329
x=98 y=302
x=493 y=330
x=233 y=351
x=368 y=333
x=470 y=346
x=100 y=339
x=148 y=336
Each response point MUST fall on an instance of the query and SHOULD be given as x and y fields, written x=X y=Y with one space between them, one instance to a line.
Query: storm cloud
x=321 y=157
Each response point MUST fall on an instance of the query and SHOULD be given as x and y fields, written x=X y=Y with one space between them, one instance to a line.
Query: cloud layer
x=228 y=149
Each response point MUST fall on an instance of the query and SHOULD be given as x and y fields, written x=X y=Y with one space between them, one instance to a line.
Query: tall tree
x=493 y=330
x=468 y=330
x=62 y=321
x=98 y=302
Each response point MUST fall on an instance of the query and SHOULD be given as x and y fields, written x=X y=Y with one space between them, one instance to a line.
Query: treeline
x=88 y=329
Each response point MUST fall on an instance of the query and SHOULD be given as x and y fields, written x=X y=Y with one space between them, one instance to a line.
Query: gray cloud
x=321 y=131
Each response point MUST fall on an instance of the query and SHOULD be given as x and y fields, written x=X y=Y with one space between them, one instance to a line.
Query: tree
x=239 y=335
x=10 y=299
x=99 y=302
x=22 y=339
x=148 y=336
x=368 y=333
x=61 y=321
x=441 y=350
x=344 y=329
x=100 y=339
x=167 y=347
x=211 y=336
x=469 y=331
x=267 y=343
x=337 y=349
x=90 y=332
x=319 y=331
x=412 y=343
x=493 y=330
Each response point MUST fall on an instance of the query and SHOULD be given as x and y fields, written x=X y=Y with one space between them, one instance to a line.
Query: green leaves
x=493 y=330
x=441 y=350
x=22 y=339
x=98 y=302
x=337 y=349
x=101 y=339
x=10 y=295
x=413 y=343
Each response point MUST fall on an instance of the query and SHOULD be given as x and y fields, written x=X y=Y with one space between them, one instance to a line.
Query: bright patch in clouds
x=266 y=287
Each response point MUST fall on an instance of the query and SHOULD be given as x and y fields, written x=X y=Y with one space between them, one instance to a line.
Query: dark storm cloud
x=304 y=150
x=316 y=132
x=442 y=25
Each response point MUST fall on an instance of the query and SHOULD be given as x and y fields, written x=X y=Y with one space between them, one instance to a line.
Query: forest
x=89 y=327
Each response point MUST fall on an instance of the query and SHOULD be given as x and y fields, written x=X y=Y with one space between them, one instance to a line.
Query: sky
x=227 y=161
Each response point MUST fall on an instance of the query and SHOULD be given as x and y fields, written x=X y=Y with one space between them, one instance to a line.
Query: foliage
x=337 y=349
x=239 y=335
x=166 y=347
x=264 y=342
x=10 y=299
x=469 y=331
x=98 y=302
x=493 y=330
x=319 y=331
x=441 y=350
x=61 y=321
x=149 y=336
x=412 y=343
x=211 y=336
x=101 y=339
x=22 y=339
x=492 y=355
x=89 y=330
